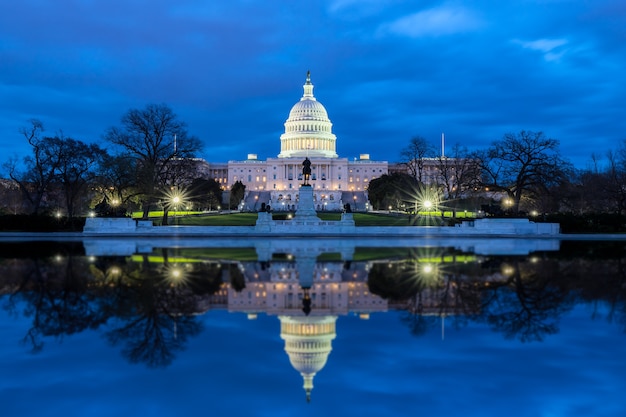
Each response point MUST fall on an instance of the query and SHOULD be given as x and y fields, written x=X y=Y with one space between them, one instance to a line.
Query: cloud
x=551 y=48
x=445 y=20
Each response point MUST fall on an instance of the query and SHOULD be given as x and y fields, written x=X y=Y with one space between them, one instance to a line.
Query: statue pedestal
x=306 y=206
x=264 y=222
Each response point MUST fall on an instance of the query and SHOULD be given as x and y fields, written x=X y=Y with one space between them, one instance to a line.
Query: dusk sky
x=385 y=70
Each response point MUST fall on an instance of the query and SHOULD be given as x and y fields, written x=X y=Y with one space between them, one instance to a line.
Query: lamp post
x=428 y=204
x=175 y=203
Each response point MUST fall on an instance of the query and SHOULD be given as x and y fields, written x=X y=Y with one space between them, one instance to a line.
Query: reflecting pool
x=312 y=327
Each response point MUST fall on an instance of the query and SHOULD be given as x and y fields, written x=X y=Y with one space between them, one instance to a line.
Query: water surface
x=175 y=328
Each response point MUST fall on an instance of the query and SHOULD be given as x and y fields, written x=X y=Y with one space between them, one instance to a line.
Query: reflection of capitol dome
x=308 y=344
x=308 y=131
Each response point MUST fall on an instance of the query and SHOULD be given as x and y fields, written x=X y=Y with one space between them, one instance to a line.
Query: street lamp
x=175 y=203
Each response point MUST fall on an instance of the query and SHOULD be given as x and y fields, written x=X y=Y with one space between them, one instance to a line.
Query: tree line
x=521 y=173
x=148 y=164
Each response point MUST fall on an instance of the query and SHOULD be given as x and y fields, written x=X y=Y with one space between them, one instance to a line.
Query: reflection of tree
x=598 y=271
x=156 y=315
x=419 y=323
x=55 y=290
x=153 y=338
x=237 y=279
x=151 y=311
x=426 y=290
x=527 y=303
x=519 y=298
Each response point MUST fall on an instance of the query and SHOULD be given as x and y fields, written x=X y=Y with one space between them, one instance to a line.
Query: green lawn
x=235 y=219
x=249 y=219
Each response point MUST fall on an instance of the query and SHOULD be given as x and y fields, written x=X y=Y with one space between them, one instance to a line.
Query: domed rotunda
x=308 y=130
x=276 y=181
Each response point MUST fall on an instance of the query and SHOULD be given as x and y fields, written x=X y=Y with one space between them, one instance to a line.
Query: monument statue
x=306 y=171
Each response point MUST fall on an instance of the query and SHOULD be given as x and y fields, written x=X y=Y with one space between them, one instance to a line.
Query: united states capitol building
x=308 y=134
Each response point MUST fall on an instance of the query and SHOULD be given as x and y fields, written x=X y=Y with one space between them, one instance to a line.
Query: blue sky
x=385 y=70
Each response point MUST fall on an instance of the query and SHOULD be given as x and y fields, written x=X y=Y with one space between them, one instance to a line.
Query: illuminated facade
x=308 y=133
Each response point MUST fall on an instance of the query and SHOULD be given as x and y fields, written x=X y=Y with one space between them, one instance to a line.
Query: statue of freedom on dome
x=306 y=170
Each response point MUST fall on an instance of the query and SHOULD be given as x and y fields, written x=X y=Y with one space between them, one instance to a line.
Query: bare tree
x=77 y=169
x=153 y=136
x=614 y=184
x=522 y=164
x=116 y=183
x=40 y=168
x=458 y=173
x=414 y=156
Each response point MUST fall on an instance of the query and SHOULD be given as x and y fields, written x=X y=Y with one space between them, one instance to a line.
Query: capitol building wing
x=308 y=134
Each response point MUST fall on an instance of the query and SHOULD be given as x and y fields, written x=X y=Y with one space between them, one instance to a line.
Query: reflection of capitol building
x=308 y=344
x=276 y=181
x=333 y=290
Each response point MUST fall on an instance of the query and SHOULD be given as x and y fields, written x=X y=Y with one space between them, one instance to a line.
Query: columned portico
x=308 y=134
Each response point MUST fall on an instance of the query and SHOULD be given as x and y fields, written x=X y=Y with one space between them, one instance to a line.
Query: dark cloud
x=385 y=72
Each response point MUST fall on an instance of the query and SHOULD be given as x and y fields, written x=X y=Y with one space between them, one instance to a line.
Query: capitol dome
x=308 y=130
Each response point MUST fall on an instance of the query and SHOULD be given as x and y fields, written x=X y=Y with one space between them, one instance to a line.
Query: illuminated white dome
x=308 y=344
x=308 y=130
